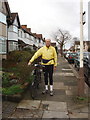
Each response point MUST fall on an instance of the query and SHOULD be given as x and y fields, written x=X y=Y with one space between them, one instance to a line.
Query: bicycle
x=36 y=81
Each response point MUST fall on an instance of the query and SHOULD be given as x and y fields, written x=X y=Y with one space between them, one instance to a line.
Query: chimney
x=29 y=29
x=24 y=26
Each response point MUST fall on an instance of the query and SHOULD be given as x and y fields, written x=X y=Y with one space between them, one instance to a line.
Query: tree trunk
x=61 y=51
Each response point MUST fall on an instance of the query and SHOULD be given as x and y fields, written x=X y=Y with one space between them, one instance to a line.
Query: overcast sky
x=47 y=16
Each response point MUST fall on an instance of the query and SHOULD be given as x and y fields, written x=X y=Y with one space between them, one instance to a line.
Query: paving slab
x=8 y=108
x=68 y=92
x=62 y=105
x=55 y=106
x=22 y=113
x=56 y=98
x=29 y=104
x=78 y=115
x=77 y=107
x=84 y=109
x=57 y=85
x=60 y=85
x=63 y=74
x=64 y=87
x=58 y=92
x=63 y=69
x=79 y=119
x=55 y=114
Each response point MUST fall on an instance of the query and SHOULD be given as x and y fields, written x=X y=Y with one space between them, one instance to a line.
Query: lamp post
x=81 y=71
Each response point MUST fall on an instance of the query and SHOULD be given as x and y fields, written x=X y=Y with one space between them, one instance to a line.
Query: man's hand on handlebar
x=29 y=63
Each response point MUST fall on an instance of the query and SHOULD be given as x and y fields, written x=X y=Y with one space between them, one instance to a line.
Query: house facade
x=86 y=45
x=13 y=32
x=13 y=35
x=4 y=12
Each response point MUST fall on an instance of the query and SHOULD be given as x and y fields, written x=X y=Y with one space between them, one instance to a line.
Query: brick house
x=13 y=32
x=86 y=45
x=13 y=35
x=25 y=37
x=4 y=14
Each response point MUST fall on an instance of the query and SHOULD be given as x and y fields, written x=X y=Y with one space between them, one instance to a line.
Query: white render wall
x=16 y=34
x=13 y=31
x=13 y=36
x=25 y=37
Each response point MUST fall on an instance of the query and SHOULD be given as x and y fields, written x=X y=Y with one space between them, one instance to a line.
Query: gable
x=3 y=8
x=16 y=22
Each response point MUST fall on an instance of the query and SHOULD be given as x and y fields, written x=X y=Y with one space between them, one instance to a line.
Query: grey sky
x=46 y=16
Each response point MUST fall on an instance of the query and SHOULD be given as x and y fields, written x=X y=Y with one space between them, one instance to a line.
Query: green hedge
x=14 y=89
x=16 y=66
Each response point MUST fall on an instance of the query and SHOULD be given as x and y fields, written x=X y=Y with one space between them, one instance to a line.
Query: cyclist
x=49 y=60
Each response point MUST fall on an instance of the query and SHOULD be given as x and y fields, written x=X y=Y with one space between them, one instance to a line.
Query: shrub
x=5 y=79
x=24 y=71
x=17 y=64
x=12 y=90
x=18 y=56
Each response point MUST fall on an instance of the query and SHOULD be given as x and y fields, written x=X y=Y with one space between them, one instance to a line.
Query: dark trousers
x=48 y=73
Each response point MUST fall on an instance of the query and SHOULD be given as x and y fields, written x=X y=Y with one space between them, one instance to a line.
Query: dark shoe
x=45 y=92
x=51 y=93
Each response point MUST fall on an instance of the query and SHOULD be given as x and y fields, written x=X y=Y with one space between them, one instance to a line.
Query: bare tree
x=62 y=37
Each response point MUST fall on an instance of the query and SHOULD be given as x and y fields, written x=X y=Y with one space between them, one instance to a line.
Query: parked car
x=77 y=59
x=87 y=69
x=71 y=57
x=66 y=54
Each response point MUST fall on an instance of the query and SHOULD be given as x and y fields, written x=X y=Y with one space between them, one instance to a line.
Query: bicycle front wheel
x=33 y=90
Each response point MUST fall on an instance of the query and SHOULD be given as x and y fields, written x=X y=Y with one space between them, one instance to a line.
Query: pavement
x=64 y=105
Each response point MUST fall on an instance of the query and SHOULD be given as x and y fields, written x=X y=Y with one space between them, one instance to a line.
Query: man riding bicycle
x=49 y=60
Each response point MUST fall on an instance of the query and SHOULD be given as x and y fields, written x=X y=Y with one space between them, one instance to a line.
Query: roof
x=38 y=35
x=78 y=42
x=13 y=16
x=7 y=8
x=25 y=29
x=53 y=43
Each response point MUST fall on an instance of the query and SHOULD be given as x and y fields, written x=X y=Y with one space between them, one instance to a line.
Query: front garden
x=16 y=74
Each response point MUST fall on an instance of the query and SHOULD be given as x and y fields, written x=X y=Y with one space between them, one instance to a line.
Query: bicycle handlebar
x=38 y=65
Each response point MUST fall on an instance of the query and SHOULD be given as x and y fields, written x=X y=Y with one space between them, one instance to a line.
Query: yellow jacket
x=46 y=53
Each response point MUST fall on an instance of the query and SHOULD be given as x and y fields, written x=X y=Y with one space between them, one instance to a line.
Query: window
x=2 y=45
x=21 y=33
x=30 y=37
x=39 y=41
x=10 y=46
x=25 y=35
x=2 y=18
x=13 y=46
x=15 y=29
x=18 y=33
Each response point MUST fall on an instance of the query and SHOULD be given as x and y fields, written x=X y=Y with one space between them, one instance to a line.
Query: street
x=63 y=105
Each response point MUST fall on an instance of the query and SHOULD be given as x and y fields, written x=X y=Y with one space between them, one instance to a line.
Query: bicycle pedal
x=45 y=92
